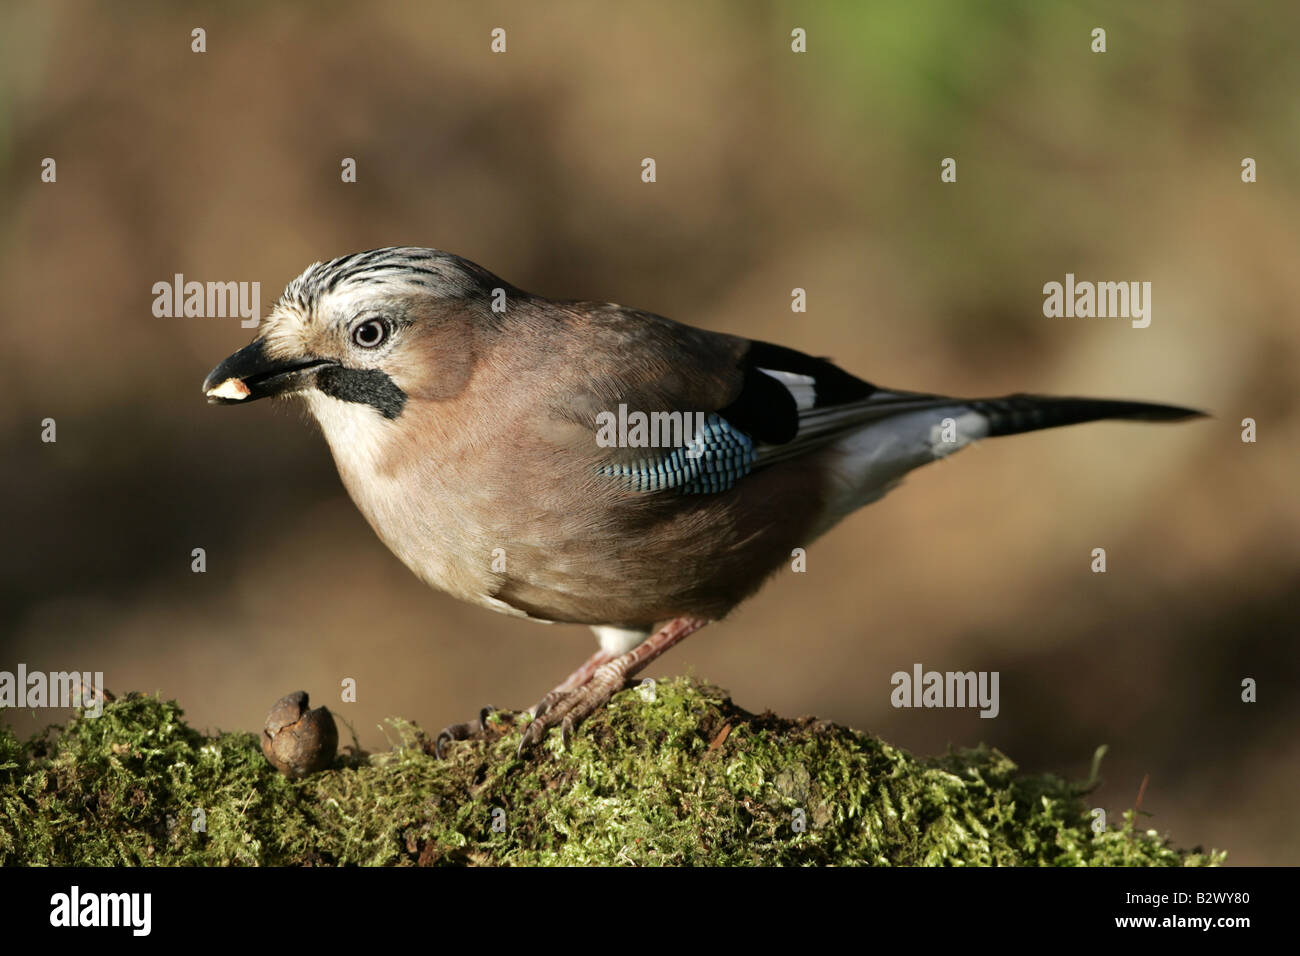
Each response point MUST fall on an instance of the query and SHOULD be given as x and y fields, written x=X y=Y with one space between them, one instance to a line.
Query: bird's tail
x=874 y=442
x=1014 y=414
x=893 y=415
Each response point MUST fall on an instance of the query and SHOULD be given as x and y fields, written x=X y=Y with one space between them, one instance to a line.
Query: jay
x=589 y=463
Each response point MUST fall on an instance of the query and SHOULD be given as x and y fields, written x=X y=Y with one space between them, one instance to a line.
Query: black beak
x=249 y=375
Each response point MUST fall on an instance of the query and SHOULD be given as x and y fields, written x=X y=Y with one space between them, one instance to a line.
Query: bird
x=588 y=463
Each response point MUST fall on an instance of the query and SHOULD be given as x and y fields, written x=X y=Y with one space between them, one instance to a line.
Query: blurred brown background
x=775 y=170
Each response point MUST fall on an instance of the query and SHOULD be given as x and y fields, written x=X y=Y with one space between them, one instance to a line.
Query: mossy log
x=684 y=778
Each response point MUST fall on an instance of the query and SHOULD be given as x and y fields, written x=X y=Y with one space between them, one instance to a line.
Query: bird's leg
x=572 y=707
x=575 y=680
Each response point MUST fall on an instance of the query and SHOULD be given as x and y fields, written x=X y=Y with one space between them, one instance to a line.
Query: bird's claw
x=466 y=731
x=570 y=709
x=531 y=735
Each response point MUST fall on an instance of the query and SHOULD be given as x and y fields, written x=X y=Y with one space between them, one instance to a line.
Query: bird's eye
x=370 y=333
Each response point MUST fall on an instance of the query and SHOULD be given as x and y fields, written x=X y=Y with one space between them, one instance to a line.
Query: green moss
x=687 y=778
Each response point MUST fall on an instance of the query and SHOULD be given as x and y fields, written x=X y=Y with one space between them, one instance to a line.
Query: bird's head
x=361 y=335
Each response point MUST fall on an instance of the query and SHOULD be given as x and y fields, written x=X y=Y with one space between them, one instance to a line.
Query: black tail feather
x=1026 y=413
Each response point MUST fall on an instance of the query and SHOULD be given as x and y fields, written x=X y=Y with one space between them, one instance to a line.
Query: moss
x=686 y=778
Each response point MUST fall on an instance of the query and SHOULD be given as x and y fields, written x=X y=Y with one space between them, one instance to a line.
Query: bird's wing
x=754 y=404
x=749 y=404
x=821 y=402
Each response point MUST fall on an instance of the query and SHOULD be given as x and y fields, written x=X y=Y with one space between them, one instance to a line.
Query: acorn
x=298 y=741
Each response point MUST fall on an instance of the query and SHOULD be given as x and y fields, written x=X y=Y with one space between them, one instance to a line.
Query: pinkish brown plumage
x=468 y=420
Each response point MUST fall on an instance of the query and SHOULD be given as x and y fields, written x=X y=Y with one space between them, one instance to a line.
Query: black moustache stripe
x=363 y=386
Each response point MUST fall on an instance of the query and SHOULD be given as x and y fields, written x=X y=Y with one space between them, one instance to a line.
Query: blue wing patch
x=720 y=456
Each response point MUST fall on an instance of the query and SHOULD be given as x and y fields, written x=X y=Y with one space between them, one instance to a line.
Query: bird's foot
x=569 y=705
x=578 y=679
x=570 y=708
x=470 y=730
